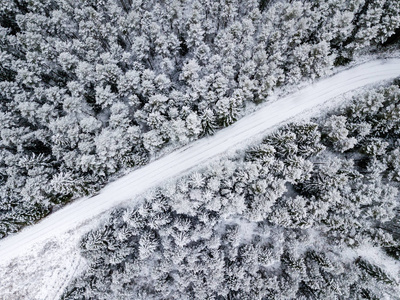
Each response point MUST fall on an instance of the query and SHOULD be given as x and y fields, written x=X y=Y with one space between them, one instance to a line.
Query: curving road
x=238 y=135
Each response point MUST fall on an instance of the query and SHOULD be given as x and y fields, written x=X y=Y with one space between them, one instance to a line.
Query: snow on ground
x=375 y=255
x=37 y=262
x=43 y=272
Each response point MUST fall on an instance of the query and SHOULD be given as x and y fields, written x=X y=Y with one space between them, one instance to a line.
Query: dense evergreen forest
x=286 y=219
x=90 y=88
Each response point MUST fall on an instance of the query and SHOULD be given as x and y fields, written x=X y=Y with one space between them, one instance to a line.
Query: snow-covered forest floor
x=40 y=260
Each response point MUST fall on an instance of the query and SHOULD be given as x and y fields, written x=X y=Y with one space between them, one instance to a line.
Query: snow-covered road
x=236 y=136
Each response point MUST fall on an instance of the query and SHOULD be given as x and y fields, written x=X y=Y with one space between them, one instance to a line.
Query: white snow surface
x=52 y=244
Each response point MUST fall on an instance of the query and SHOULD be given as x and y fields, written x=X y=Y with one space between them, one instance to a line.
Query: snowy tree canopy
x=297 y=216
x=93 y=87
